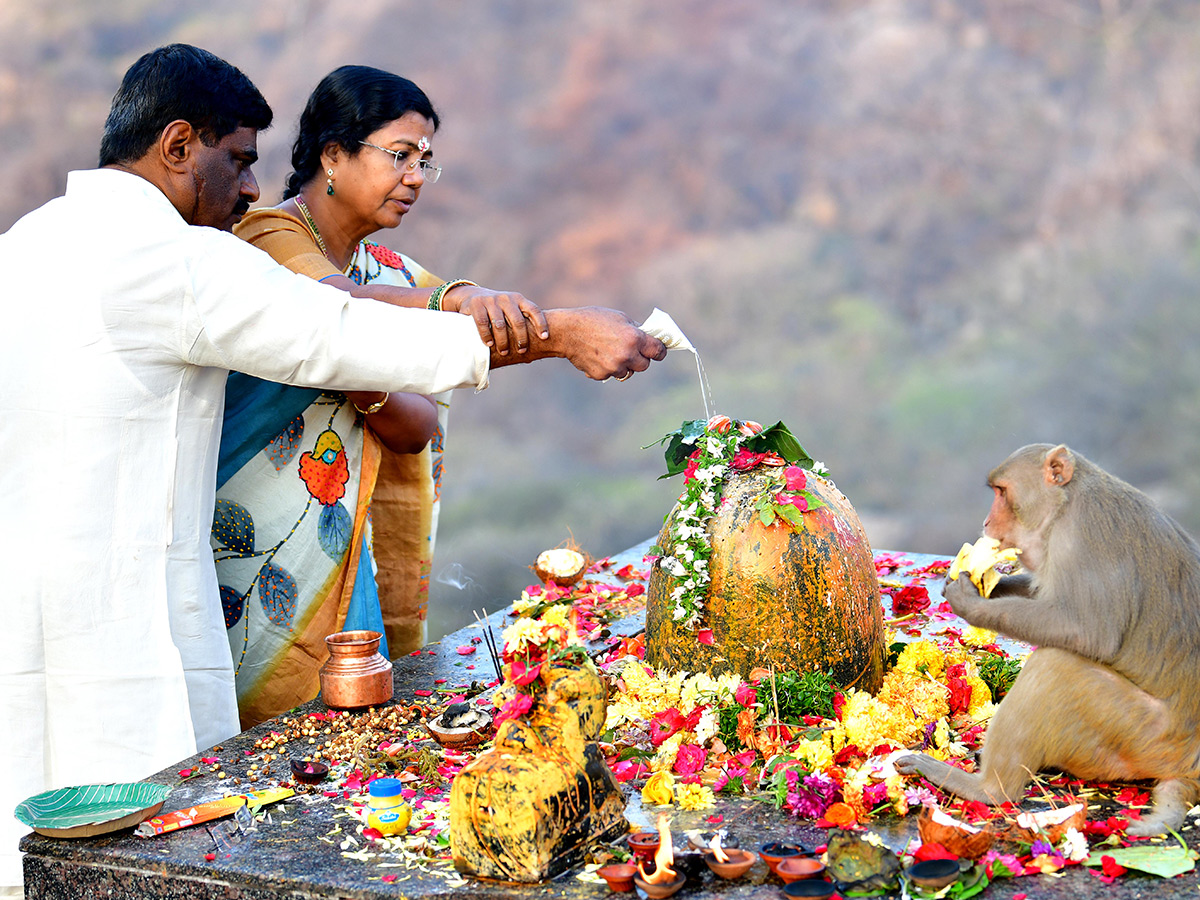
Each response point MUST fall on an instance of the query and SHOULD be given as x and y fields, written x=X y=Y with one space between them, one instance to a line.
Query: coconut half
x=560 y=566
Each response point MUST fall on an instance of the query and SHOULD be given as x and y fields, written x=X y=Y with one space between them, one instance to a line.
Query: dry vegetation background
x=920 y=233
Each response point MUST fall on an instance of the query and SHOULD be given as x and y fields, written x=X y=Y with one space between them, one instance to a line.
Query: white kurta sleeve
x=251 y=315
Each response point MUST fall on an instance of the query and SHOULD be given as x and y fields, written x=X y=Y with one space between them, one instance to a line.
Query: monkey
x=1109 y=596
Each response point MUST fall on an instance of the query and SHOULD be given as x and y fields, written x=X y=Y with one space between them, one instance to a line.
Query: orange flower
x=719 y=424
x=841 y=815
x=746 y=721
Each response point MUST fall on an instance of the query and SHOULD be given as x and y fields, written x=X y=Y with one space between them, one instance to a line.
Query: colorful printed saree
x=317 y=527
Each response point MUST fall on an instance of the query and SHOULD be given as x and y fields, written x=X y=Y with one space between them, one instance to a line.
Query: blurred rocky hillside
x=921 y=233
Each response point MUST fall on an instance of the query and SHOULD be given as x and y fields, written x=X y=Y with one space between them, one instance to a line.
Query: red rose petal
x=705 y=636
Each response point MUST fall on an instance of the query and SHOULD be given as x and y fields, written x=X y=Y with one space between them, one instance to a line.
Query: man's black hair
x=179 y=81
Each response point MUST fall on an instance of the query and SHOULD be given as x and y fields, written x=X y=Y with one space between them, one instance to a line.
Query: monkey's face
x=1025 y=498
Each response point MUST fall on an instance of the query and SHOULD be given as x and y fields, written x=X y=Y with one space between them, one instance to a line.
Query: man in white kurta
x=120 y=323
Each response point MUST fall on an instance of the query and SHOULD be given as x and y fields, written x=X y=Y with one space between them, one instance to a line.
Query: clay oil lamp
x=813 y=888
x=643 y=845
x=619 y=876
x=933 y=874
x=309 y=772
x=664 y=880
x=775 y=852
x=732 y=863
x=461 y=725
x=795 y=868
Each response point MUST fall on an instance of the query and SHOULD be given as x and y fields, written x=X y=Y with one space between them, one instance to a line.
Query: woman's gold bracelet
x=435 y=299
x=374 y=407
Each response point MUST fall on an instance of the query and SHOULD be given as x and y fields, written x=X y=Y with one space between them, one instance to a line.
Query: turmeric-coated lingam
x=528 y=808
x=762 y=562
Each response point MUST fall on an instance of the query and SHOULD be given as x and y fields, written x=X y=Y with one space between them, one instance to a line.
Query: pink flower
x=794 y=478
x=521 y=674
x=627 y=770
x=690 y=759
x=665 y=724
x=745 y=694
x=797 y=500
x=910 y=599
x=689 y=471
x=466 y=650
x=745 y=459
x=749 y=429
x=514 y=708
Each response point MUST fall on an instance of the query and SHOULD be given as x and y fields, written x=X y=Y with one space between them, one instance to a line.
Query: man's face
x=225 y=186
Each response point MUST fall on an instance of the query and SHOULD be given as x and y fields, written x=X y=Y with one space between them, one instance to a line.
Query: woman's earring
x=329 y=181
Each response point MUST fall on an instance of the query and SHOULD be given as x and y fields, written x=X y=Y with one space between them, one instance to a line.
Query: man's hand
x=605 y=343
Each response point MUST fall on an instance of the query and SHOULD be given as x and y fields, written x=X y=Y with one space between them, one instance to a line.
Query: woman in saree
x=327 y=502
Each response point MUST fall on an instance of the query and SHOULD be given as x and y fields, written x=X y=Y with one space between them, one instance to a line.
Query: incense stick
x=490 y=640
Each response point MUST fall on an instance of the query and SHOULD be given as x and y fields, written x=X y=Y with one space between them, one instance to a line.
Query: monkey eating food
x=1110 y=596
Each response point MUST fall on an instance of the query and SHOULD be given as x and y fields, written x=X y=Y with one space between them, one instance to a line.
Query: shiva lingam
x=664 y=880
x=527 y=809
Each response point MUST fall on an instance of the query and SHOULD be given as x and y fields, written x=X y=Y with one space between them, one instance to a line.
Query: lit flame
x=664 y=856
x=720 y=855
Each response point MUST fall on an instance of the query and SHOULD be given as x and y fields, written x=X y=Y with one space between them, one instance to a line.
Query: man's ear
x=175 y=145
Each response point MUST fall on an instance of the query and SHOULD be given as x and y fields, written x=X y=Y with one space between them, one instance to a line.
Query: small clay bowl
x=458 y=737
x=933 y=874
x=796 y=868
x=309 y=772
x=658 y=890
x=619 y=876
x=813 y=888
x=775 y=852
x=738 y=864
x=644 y=843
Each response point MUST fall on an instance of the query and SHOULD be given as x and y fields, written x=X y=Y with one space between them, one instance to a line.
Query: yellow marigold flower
x=664 y=759
x=982 y=713
x=526 y=603
x=558 y=614
x=659 y=789
x=981 y=694
x=694 y=796
x=817 y=753
x=978 y=637
x=869 y=722
x=524 y=632
x=922 y=656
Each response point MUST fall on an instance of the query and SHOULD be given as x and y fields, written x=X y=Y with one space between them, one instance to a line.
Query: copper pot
x=356 y=674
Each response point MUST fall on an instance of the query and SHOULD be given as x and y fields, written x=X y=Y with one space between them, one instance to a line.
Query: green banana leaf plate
x=91 y=809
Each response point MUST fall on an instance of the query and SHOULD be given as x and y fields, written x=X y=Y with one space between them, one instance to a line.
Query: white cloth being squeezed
x=120 y=323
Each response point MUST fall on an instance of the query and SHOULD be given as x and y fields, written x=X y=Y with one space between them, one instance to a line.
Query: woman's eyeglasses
x=410 y=159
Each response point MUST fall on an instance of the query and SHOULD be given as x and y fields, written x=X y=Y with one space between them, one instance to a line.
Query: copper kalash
x=527 y=809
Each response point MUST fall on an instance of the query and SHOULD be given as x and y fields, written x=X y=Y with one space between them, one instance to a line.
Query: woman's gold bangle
x=374 y=407
x=435 y=299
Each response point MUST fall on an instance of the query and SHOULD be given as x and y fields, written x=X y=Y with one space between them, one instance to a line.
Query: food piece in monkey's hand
x=984 y=562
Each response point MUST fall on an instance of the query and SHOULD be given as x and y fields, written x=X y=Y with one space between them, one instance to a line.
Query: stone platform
x=292 y=855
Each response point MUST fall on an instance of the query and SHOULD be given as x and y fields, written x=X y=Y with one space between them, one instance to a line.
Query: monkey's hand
x=964 y=597
x=908 y=765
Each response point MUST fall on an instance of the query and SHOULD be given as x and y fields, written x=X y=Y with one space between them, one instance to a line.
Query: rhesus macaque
x=1111 y=599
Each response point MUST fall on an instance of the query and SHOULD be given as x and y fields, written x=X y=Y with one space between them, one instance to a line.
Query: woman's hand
x=405 y=422
x=502 y=317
